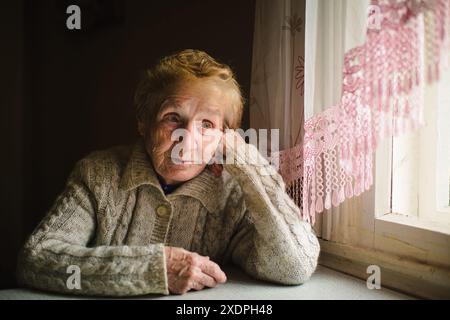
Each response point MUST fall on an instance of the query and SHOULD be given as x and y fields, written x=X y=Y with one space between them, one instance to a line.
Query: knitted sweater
x=113 y=220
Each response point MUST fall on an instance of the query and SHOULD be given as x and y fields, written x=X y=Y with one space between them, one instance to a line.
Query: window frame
x=403 y=234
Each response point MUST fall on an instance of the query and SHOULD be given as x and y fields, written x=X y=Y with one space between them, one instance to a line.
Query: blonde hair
x=159 y=81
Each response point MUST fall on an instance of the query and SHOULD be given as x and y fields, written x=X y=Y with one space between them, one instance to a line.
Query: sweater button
x=162 y=211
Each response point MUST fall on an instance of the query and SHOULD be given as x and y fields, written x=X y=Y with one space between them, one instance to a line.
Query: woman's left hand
x=229 y=142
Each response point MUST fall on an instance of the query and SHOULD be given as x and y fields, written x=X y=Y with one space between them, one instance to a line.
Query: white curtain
x=332 y=28
x=277 y=84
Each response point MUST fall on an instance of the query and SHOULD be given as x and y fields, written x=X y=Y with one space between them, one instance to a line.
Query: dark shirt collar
x=167 y=188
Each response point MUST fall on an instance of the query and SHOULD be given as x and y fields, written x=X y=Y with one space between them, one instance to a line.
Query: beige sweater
x=113 y=220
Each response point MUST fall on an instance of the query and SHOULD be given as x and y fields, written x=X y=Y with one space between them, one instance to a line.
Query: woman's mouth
x=185 y=162
x=179 y=162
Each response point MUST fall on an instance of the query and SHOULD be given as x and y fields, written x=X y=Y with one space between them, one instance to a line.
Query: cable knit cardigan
x=113 y=221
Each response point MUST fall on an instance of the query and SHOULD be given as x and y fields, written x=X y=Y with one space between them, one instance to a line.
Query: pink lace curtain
x=407 y=44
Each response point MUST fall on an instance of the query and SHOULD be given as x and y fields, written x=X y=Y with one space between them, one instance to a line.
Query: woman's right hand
x=188 y=270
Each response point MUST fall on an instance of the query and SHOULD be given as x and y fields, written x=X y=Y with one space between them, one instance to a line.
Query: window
x=411 y=216
x=421 y=162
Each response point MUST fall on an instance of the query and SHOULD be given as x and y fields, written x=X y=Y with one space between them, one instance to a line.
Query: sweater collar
x=139 y=171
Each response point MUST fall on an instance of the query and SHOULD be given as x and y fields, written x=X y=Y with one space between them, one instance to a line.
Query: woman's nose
x=192 y=134
x=190 y=140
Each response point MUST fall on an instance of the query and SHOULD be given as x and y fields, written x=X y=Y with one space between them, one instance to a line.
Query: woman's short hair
x=159 y=81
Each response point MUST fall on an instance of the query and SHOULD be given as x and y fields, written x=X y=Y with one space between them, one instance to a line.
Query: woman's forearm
x=285 y=248
x=59 y=248
x=58 y=266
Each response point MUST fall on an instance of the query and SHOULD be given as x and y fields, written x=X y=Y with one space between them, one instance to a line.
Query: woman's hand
x=229 y=141
x=188 y=270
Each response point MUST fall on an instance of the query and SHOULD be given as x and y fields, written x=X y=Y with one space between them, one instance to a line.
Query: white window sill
x=414 y=222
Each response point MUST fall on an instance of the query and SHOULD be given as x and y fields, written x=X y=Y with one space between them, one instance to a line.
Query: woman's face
x=188 y=130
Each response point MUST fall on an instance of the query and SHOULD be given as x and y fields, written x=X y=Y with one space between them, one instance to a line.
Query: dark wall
x=65 y=93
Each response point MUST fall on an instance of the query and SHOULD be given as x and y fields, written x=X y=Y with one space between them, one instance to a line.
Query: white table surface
x=325 y=284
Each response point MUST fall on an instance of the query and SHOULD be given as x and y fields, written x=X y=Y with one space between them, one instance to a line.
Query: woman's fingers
x=195 y=279
x=206 y=280
x=196 y=285
x=231 y=140
x=205 y=272
x=213 y=270
x=189 y=270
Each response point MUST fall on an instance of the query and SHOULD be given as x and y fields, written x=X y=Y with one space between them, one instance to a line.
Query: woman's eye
x=172 y=118
x=206 y=124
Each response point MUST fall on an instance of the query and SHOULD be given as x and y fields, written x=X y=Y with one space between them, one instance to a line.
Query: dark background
x=65 y=93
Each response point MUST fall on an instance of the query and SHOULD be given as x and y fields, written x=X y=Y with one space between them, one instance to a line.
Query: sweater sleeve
x=59 y=248
x=272 y=242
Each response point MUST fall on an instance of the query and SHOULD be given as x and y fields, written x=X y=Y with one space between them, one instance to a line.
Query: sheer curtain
x=332 y=28
x=277 y=84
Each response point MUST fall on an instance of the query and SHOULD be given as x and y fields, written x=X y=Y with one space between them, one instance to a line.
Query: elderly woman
x=145 y=219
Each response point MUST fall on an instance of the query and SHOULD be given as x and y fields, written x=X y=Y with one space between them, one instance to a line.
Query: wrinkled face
x=187 y=130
